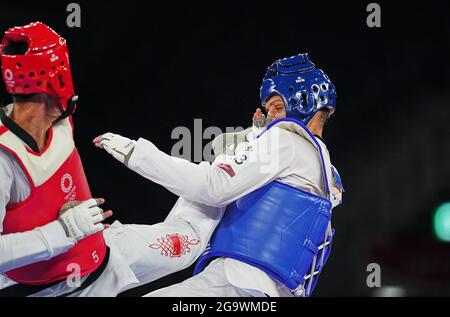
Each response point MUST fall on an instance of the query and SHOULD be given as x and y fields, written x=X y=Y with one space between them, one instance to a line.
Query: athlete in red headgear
x=52 y=241
x=35 y=59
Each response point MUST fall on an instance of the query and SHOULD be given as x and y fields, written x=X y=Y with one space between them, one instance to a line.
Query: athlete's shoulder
x=290 y=127
x=6 y=171
x=225 y=141
x=6 y=159
x=293 y=134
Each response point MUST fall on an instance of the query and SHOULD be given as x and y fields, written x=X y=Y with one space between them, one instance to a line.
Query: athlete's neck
x=33 y=118
x=316 y=127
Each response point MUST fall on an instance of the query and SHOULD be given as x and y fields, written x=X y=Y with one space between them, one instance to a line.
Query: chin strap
x=71 y=106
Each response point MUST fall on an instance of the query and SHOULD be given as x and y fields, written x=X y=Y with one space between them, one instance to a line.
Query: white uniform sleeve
x=203 y=219
x=21 y=249
x=227 y=179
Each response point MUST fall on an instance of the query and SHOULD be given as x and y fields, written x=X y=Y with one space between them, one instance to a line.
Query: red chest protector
x=56 y=176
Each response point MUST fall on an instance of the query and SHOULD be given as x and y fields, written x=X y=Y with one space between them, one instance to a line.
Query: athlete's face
x=275 y=107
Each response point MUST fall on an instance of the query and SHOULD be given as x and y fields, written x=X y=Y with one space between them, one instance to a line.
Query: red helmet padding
x=43 y=68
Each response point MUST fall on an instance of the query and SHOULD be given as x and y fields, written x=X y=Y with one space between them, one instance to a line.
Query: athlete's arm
x=20 y=249
x=226 y=180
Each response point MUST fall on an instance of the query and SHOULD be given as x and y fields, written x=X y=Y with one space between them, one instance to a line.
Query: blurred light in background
x=441 y=222
x=390 y=291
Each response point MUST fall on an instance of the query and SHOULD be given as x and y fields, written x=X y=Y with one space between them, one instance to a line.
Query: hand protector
x=118 y=146
x=81 y=220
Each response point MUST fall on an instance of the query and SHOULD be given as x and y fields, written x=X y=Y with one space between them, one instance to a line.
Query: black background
x=144 y=68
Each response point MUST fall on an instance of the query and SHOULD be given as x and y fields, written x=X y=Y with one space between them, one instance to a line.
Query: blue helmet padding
x=304 y=88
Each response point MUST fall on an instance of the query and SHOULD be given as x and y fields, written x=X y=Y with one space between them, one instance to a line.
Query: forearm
x=43 y=243
x=181 y=177
x=202 y=183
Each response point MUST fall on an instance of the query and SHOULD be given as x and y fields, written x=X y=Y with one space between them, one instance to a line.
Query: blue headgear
x=304 y=89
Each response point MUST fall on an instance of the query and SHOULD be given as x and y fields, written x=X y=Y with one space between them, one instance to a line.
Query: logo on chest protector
x=68 y=187
x=66 y=183
x=174 y=245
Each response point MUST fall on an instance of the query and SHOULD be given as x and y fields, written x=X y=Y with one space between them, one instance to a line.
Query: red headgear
x=42 y=66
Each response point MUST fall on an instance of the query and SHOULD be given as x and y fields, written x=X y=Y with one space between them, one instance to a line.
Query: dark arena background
x=145 y=68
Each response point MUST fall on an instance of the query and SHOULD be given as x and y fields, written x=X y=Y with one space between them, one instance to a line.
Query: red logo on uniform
x=68 y=187
x=66 y=183
x=227 y=168
x=174 y=245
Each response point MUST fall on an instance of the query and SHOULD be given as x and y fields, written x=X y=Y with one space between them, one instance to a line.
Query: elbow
x=214 y=201
x=217 y=197
x=217 y=191
x=220 y=204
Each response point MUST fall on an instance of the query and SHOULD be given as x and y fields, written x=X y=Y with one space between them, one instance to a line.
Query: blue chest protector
x=281 y=230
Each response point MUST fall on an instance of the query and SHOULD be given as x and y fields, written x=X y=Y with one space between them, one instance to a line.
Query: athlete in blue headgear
x=304 y=89
x=276 y=180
